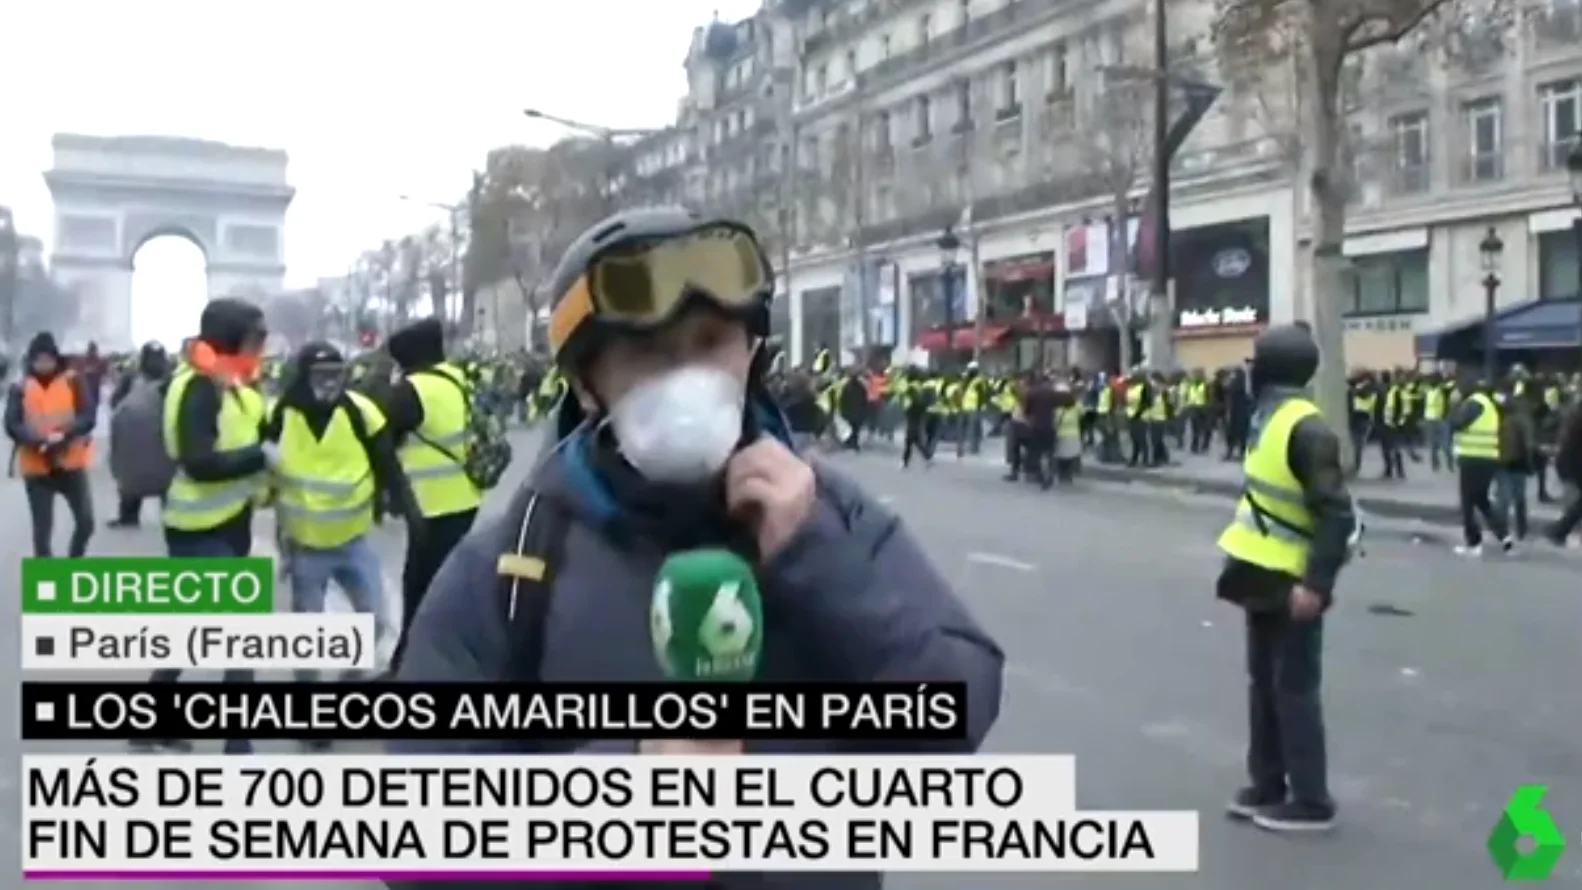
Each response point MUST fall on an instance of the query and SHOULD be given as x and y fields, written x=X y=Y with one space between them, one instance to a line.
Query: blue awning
x=1546 y=324
x=1538 y=324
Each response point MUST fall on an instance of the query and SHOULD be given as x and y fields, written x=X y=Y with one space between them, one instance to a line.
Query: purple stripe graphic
x=308 y=875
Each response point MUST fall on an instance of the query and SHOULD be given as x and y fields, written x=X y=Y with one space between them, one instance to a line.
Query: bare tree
x=1310 y=41
x=1116 y=134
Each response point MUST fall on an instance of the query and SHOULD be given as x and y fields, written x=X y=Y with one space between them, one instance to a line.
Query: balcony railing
x=945 y=45
x=1484 y=167
x=1552 y=155
x=1409 y=179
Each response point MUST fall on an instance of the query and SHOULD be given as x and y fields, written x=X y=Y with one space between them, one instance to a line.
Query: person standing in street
x=1285 y=547
x=429 y=412
x=153 y=369
x=50 y=417
x=214 y=431
x=338 y=469
x=1475 y=442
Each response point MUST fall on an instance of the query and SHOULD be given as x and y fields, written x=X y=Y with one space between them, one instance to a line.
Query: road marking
x=1001 y=562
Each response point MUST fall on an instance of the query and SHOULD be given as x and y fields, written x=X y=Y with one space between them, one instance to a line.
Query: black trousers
x=919 y=436
x=424 y=556
x=1475 y=477
x=71 y=486
x=1286 y=745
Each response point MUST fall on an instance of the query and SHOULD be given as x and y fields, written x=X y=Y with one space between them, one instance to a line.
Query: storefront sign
x=1382 y=323
x=1214 y=318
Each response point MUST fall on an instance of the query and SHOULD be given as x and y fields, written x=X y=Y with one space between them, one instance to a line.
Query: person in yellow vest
x=429 y=412
x=917 y=402
x=337 y=473
x=1158 y=414
x=973 y=395
x=1436 y=432
x=823 y=361
x=1136 y=417
x=1285 y=546
x=1475 y=440
x=214 y=431
x=1068 y=433
x=1198 y=417
x=1392 y=426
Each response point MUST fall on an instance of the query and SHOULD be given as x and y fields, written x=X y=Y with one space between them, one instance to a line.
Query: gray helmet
x=621 y=229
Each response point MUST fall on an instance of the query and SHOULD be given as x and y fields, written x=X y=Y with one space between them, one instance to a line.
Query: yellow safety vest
x=1434 y=403
x=821 y=361
x=1159 y=411
x=938 y=406
x=972 y=394
x=200 y=506
x=1277 y=533
x=1134 y=399
x=1068 y=422
x=433 y=456
x=1197 y=393
x=1106 y=394
x=326 y=484
x=1481 y=440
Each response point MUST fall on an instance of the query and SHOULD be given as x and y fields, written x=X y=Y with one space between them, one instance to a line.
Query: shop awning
x=1539 y=324
x=936 y=339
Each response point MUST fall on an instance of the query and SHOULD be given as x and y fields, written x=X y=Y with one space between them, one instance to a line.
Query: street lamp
x=949 y=250
x=455 y=211
x=1491 y=246
x=606 y=135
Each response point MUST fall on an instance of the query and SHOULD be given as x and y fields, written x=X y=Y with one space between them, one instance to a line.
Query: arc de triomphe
x=113 y=194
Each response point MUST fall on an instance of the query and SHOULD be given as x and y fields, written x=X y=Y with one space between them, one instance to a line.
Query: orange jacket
x=50 y=409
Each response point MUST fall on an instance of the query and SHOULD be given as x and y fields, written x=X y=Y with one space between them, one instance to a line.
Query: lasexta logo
x=1526 y=820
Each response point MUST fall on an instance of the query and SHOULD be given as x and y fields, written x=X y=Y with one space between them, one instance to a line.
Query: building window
x=881 y=131
x=925 y=29
x=1485 y=141
x=884 y=46
x=1010 y=91
x=963 y=105
x=1409 y=137
x=1560 y=105
x=923 y=120
x=1390 y=283
x=964 y=14
x=1559 y=266
x=1057 y=76
x=821 y=80
x=820 y=321
x=851 y=64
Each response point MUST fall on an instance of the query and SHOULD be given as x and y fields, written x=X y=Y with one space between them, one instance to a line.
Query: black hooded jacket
x=225 y=326
x=16 y=425
x=415 y=347
x=380 y=446
x=1284 y=360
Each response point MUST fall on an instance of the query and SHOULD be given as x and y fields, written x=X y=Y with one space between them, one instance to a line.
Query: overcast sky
x=371 y=99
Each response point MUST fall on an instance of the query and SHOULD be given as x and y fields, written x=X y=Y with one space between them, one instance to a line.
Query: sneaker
x=1473 y=551
x=1508 y=545
x=1295 y=816
x=1248 y=801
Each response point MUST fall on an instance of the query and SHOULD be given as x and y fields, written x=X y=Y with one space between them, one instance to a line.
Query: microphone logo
x=726 y=634
x=660 y=630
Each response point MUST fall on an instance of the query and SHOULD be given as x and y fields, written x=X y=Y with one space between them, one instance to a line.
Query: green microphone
x=706 y=617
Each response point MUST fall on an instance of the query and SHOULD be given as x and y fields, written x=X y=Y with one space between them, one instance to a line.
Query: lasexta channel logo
x=1526 y=844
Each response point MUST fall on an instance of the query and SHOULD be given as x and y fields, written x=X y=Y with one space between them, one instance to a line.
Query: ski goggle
x=643 y=284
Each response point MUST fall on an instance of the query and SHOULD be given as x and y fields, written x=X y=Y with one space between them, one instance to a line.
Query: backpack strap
x=526 y=575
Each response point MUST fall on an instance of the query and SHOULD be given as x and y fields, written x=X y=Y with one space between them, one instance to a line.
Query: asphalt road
x=1119 y=653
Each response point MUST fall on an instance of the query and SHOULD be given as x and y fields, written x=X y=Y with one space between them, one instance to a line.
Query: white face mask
x=681 y=426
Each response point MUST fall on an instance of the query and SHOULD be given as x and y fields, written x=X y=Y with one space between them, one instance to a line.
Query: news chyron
x=361 y=711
